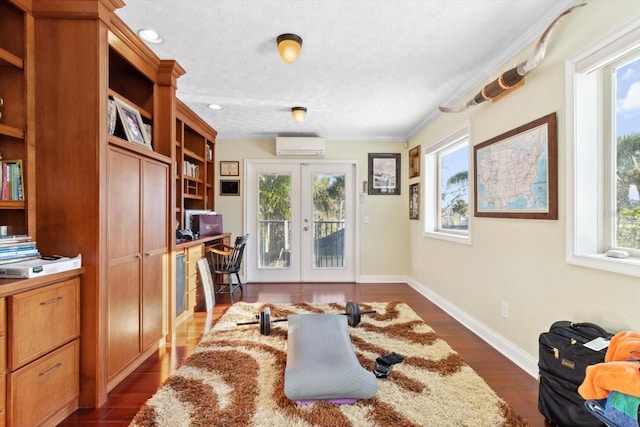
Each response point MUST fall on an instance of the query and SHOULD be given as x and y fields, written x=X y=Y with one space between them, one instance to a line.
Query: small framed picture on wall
x=229 y=187
x=229 y=168
x=414 y=201
x=414 y=162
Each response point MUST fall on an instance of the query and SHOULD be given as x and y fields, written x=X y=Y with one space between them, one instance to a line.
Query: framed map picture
x=516 y=173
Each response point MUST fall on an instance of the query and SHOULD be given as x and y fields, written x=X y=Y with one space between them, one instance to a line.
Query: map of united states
x=512 y=174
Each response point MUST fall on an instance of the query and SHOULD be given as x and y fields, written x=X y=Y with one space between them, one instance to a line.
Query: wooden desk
x=193 y=250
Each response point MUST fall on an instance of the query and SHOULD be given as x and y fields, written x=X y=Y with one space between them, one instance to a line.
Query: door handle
x=306 y=228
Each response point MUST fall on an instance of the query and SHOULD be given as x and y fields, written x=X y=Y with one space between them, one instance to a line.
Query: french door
x=301 y=219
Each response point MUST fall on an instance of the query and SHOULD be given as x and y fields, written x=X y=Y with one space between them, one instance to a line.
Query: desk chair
x=226 y=261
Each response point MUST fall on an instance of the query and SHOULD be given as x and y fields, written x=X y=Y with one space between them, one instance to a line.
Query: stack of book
x=11 y=180
x=17 y=248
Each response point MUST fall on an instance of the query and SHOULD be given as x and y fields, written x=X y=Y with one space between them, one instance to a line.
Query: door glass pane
x=274 y=221
x=328 y=220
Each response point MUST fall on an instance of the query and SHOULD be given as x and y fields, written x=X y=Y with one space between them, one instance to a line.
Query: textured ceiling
x=368 y=70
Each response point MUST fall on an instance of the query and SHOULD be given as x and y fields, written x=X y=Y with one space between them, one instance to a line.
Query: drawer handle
x=48 y=371
x=51 y=301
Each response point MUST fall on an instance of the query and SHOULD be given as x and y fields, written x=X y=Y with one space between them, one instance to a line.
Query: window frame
x=431 y=192
x=588 y=229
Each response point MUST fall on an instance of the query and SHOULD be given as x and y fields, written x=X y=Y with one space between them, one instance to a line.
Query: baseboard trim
x=382 y=279
x=512 y=352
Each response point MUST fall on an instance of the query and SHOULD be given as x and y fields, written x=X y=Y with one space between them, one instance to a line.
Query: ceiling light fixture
x=289 y=46
x=150 y=36
x=298 y=113
x=214 y=107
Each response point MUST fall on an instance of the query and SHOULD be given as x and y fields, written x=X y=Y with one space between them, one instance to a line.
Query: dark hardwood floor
x=515 y=386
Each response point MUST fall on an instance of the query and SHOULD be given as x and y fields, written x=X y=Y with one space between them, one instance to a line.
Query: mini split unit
x=292 y=146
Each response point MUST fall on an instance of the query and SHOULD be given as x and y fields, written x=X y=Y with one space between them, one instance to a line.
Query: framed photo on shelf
x=516 y=173
x=229 y=187
x=414 y=201
x=132 y=123
x=229 y=168
x=384 y=173
x=414 y=162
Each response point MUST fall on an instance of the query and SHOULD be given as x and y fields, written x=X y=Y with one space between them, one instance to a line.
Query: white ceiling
x=368 y=70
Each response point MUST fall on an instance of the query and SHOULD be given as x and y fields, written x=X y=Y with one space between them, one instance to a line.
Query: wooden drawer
x=192 y=299
x=192 y=282
x=192 y=269
x=194 y=253
x=42 y=320
x=41 y=389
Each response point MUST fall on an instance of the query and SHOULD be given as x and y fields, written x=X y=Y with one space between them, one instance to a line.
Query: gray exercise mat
x=321 y=362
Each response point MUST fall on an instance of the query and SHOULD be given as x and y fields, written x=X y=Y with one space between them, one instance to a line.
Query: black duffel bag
x=562 y=363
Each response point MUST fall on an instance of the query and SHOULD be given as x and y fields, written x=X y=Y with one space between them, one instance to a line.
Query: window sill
x=628 y=266
x=465 y=240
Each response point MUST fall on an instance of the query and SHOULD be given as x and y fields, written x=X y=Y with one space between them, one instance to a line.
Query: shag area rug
x=236 y=377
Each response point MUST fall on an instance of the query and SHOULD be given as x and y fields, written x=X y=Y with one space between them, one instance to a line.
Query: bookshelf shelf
x=17 y=208
x=7 y=57
x=195 y=141
x=11 y=131
x=12 y=204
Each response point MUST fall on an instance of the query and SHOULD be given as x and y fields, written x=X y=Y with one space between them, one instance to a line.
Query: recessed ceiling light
x=150 y=36
x=214 y=107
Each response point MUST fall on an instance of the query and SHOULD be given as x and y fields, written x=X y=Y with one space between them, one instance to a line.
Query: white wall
x=517 y=261
x=522 y=262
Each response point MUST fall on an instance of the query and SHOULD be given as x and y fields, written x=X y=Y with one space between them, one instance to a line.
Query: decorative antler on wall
x=510 y=78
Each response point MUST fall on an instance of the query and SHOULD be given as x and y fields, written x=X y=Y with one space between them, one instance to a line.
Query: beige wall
x=520 y=262
x=383 y=240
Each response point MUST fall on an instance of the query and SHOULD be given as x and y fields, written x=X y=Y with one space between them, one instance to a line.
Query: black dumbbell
x=352 y=311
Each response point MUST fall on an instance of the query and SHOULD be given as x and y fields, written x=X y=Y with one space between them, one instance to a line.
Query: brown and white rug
x=236 y=377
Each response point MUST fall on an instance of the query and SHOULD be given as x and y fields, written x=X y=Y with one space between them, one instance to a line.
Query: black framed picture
x=229 y=187
x=384 y=173
x=414 y=201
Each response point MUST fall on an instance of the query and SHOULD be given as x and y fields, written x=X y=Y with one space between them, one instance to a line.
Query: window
x=625 y=145
x=447 y=188
x=603 y=142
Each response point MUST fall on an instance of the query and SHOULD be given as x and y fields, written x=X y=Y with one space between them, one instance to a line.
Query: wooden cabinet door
x=125 y=260
x=155 y=241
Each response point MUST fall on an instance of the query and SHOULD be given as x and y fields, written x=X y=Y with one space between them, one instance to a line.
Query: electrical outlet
x=505 y=310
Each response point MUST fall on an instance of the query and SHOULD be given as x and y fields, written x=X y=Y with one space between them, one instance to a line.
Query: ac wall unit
x=292 y=146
